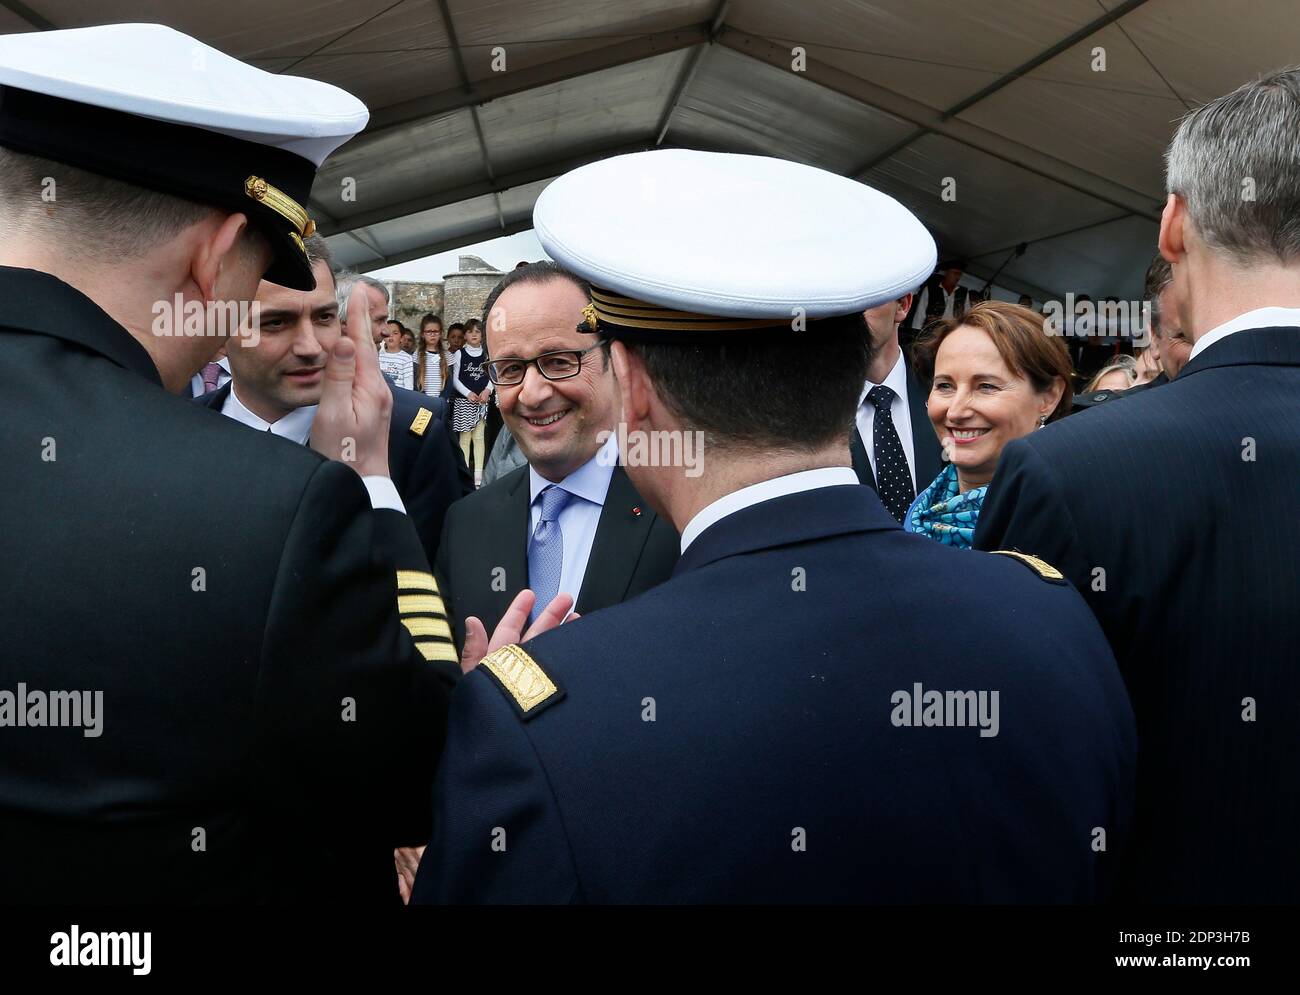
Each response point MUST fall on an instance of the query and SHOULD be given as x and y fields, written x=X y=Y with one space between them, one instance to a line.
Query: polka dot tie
x=893 y=478
x=546 y=549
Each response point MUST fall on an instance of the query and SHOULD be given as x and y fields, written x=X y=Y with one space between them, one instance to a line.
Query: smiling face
x=555 y=422
x=978 y=404
x=297 y=329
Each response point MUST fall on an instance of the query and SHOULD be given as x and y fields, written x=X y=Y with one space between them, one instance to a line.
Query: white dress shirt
x=765 y=490
x=588 y=484
x=919 y=319
x=866 y=417
x=1264 y=317
x=296 y=427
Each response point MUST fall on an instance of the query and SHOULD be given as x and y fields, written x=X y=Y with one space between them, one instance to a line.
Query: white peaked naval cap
x=682 y=245
x=148 y=105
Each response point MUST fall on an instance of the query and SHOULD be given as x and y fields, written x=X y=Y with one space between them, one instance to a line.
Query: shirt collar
x=896 y=381
x=589 y=482
x=1263 y=317
x=765 y=490
x=295 y=426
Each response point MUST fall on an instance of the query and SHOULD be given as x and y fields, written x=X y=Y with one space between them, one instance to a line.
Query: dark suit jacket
x=925 y=444
x=774 y=706
x=1173 y=512
x=427 y=466
x=489 y=530
x=229 y=593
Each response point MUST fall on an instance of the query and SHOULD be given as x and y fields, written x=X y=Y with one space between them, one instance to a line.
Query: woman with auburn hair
x=995 y=374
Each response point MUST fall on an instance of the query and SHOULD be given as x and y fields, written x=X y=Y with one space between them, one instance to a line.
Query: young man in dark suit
x=892 y=436
x=277 y=378
x=1170 y=512
x=569 y=521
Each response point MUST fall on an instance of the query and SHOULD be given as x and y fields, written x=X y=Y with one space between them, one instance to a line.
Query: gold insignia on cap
x=589 y=316
x=282 y=204
x=1041 y=567
x=421 y=421
x=521 y=676
x=614 y=309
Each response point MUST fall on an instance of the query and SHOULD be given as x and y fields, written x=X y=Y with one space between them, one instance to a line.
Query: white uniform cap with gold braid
x=682 y=245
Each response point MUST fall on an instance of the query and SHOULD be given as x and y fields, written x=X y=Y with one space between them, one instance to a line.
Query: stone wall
x=412 y=301
x=460 y=296
x=466 y=291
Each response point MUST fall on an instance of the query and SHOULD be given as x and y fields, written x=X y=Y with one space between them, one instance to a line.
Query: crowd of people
x=911 y=614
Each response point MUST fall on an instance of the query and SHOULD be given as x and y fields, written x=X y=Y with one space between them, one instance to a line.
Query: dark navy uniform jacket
x=772 y=770
x=1174 y=513
x=426 y=464
x=266 y=720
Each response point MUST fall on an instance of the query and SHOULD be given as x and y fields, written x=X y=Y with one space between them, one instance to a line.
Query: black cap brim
x=180 y=159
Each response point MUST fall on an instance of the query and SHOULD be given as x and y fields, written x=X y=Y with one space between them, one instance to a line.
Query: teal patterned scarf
x=943 y=513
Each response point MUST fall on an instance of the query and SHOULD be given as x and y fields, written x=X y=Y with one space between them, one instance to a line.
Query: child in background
x=395 y=364
x=455 y=337
x=470 y=409
x=432 y=364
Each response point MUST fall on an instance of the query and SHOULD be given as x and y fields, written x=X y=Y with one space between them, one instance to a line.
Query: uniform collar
x=295 y=426
x=37 y=302
x=764 y=490
x=787 y=518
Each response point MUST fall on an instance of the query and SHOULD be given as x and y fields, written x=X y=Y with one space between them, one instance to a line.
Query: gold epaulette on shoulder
x=523 y=679
x=1040 y=567
x=421 y=421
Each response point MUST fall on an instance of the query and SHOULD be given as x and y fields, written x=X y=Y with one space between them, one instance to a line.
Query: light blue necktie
x=546 y=549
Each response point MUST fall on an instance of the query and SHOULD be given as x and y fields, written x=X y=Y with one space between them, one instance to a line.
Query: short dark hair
x=747 y=394
x=455 y=325
x=542 y=272
x=1159 y=275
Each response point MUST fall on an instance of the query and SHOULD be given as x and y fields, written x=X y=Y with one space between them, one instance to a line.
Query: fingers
x=476 y=645
x=360 y=332
x=551 y=616
x=336 y=384
x=511 y=628
x=358 y=326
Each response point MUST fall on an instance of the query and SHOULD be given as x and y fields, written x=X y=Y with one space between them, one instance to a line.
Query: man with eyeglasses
x=569 y=521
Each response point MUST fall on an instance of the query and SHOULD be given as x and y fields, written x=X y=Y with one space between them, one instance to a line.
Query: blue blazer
x=1174 y=512
x=730 y=735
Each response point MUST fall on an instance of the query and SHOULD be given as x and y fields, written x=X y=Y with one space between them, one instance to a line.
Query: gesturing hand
x=351 y=424
x=510 y=629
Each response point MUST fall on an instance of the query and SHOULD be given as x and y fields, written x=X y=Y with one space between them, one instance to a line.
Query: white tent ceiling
x=1001 y=96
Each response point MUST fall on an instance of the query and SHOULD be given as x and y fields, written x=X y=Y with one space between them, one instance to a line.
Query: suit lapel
x=504 y=542
x=861 y=465
x=620 y=537
x=925 y=444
